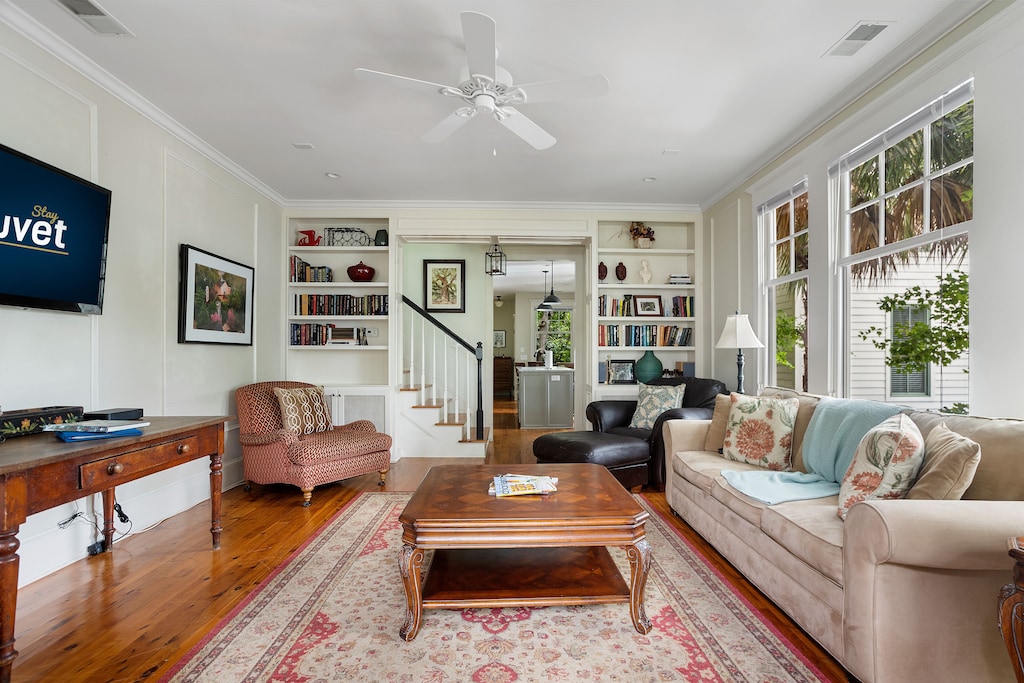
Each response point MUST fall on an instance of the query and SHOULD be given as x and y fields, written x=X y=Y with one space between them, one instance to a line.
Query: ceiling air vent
x=863 y=33
x=95 y=17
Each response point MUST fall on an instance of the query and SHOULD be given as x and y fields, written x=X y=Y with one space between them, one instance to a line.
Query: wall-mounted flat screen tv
x=53 y=238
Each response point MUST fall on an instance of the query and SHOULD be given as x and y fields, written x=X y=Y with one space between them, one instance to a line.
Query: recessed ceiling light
x=303 y=145
x=649 y=179
x=332 y=175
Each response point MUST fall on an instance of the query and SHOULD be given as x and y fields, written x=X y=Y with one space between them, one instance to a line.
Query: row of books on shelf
x=320 y=334
x=644 y=335
x=300 y=271
x=637 y=305
x=341 y=304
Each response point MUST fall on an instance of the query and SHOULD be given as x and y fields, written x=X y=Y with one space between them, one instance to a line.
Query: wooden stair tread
x=486 y=436
x=435 y=403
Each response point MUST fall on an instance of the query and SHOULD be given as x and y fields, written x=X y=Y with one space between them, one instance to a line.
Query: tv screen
x=53 y=239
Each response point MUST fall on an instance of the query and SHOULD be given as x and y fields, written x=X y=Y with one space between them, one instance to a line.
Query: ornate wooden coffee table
x=522 y=550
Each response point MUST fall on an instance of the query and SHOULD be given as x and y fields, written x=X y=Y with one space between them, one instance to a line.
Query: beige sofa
x=903 y=590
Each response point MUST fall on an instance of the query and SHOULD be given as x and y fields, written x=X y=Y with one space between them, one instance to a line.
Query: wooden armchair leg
x=307 y=497
x=383 y=476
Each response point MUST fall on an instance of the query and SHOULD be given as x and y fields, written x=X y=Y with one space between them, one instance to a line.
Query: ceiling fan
x=486 y=88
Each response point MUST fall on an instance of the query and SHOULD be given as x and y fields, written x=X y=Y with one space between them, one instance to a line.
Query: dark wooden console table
x=39 y=472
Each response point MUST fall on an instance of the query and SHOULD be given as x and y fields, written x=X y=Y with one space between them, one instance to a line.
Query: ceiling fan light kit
x=486 y=88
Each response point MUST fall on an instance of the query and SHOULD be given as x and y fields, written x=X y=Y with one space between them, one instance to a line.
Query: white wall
x=994 y=53
x=164 y=193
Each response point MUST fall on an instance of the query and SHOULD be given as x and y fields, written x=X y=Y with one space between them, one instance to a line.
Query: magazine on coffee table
x=522 y=485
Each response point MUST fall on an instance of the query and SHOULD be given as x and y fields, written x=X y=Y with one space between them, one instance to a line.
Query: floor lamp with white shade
x=737 y=334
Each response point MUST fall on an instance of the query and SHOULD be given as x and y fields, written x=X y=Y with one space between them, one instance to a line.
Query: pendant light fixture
x=551 y=299
x=544 y=305
x=495 y=260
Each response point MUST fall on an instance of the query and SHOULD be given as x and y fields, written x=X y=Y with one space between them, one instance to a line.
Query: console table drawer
x=126 y=466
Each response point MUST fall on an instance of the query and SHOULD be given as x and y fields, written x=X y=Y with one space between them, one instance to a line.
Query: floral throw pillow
x=760 y=431
x=304 y=410
x=885 y=465
x=652 y=401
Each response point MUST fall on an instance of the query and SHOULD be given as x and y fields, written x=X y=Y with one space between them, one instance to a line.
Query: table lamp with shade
x=737 y=334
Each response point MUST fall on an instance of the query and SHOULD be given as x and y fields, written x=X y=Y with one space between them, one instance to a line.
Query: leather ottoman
x=624 y=456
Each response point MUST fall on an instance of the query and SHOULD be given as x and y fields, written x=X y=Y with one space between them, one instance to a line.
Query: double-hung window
x=783 y=226
x=901 y=205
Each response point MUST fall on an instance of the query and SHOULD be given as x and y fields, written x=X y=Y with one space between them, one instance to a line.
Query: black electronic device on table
x=114 y=414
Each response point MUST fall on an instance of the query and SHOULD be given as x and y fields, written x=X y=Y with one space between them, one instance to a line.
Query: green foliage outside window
x=555 y=328
x=911 y=348
x=788 y=335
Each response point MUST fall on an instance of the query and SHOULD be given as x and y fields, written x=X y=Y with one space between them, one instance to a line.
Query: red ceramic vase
x=361 y=272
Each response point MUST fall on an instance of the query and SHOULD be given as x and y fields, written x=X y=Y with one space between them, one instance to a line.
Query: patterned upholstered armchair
x=301 y=446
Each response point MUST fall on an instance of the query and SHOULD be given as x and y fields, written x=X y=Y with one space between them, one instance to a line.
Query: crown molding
x=899 y=58
x=48 y=41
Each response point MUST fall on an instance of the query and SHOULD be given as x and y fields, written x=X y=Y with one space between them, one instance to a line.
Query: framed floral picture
x=444 y=286
x=499 y=339
x=216 y=299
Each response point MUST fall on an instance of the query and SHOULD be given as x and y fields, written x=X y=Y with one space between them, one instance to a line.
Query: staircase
x=440 y=410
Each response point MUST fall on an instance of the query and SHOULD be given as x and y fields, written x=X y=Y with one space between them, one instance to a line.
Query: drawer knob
x=182 y=449
x=115 y=468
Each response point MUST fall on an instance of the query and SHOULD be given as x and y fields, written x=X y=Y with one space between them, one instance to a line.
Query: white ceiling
x=727 y=84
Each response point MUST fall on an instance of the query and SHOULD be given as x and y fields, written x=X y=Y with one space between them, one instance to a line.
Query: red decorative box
x=31 y=420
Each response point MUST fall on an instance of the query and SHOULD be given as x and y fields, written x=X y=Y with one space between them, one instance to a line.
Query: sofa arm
x=684 y=435
x=357 y=426
x=282 y=436
x=656 y=467
x=923 y=571
x=605 y=415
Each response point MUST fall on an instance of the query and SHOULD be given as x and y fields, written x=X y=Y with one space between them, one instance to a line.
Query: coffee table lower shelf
x=522 y=577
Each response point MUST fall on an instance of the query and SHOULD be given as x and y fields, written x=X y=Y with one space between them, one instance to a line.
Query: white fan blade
x=549 y=91
x=534 y=135
x=478 y=32
x=400 y=81
x=449 y=125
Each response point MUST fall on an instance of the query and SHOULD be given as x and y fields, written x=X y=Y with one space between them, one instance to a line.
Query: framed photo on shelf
x=649 y=306
x=621 y=372
x=215 y=299
x=499 y=339
x=444 y=286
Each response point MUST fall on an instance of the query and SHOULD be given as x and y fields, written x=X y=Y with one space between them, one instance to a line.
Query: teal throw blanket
x=835 y=429
x=779 y=487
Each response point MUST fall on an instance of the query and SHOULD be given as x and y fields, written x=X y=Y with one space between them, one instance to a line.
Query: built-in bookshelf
x=655 y=307
x=333 y=321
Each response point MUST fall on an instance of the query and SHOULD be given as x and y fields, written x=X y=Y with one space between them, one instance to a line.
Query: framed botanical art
x=215 y=299
x=499 y=339
x=444 y=286
x=621 y=372
x=647 y=306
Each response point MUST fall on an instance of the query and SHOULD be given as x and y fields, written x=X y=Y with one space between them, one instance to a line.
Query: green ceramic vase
x=648 y=367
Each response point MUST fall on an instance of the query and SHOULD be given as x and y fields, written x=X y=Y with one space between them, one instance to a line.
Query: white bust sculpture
x=645 y=271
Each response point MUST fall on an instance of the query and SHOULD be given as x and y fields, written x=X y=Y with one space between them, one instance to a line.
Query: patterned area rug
x=332 y=612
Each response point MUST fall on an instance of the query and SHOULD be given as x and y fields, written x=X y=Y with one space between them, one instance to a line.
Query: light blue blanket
x=835 y=429
x=780 y=487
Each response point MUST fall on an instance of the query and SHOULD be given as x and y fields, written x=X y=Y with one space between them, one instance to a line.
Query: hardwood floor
x=130 y=614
